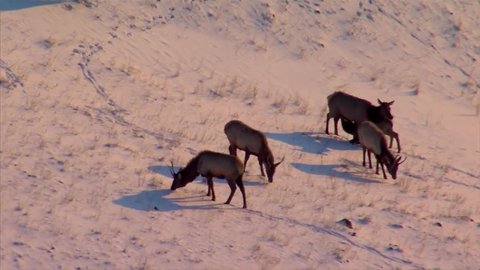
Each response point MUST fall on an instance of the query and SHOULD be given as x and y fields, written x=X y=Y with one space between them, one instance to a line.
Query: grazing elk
x=212 y=164
x=386 y=125
x=373 y=140
x=253 y=142
x=342 y=105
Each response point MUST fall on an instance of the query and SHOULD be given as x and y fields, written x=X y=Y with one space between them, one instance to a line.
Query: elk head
x=393 y=166
x=385 y=109
x=270 y=167
x=178 y=181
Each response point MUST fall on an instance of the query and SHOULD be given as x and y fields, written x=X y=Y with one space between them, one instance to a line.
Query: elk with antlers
x=373 y=140
x=212 y=164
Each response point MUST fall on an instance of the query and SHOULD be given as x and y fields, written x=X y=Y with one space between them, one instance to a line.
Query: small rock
x=365 y=220
x=438 y=224
x=68 y=7
x=346 y=222
x=467 y=218
x=392 y=247
x=396 y=226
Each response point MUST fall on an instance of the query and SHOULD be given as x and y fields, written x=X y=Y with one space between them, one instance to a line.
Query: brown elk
x=373 y=140
x=253 y=142
x=212 y=164
x=342 y=105
x=386 y=125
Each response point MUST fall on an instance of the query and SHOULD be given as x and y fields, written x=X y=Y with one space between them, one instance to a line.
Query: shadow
x=330 y=170
x=155 y=200
x=312 y=142
x=252 y=183
x=9 y=5
x=163 y=170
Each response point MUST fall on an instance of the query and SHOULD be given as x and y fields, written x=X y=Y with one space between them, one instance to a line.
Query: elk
x=373 y=140
x=253 y=142
x=386 y=125
x=212 y=164
x=342 y=105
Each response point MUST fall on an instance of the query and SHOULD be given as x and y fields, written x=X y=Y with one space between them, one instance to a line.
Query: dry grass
x=280 y=104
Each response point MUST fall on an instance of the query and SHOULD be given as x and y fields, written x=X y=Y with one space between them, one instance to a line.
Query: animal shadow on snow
x=332 y=170
x=312 y=142
x=156 y=200
x=165 y=171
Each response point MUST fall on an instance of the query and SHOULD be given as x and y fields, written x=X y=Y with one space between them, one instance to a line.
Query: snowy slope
x=98 y=99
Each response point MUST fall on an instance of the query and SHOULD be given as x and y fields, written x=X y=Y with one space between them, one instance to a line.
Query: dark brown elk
x=373 y=141
x=212 y=164
x=342 y=105
x=253 y=142
x=386 y=125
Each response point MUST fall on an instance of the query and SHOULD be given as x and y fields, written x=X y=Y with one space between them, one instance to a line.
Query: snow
x=99 y=97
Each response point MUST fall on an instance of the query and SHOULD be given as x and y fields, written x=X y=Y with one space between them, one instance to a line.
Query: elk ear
x=390 y=103
x=379 y=101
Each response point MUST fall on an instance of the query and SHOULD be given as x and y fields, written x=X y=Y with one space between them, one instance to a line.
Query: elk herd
x=366 y=122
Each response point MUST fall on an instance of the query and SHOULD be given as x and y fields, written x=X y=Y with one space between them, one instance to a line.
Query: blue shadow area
x=312 y=142
x=330 y=170
x=6 y=5
x=163 y=170
x=155 y=200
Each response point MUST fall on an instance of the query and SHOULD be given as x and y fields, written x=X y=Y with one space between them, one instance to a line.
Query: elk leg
x=391 y=142
x=383 y=170
x=378 y=163
x=364 y=152
x=398 y=142
x=261 y=167
x=369 y=159
x=233 y=187
x=210 y=187
x=242 y=189
x=335 y=120
x=328 y=119
x=247 y=156
x=233 y=150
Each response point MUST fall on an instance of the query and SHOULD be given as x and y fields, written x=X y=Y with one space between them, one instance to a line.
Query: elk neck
x=190 y=172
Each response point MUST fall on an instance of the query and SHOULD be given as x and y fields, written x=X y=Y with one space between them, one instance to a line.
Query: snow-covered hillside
x=99 y=97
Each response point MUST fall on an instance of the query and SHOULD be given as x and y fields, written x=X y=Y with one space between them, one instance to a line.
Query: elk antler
x=278 y=163
x=172 y=170
x=401 y=161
